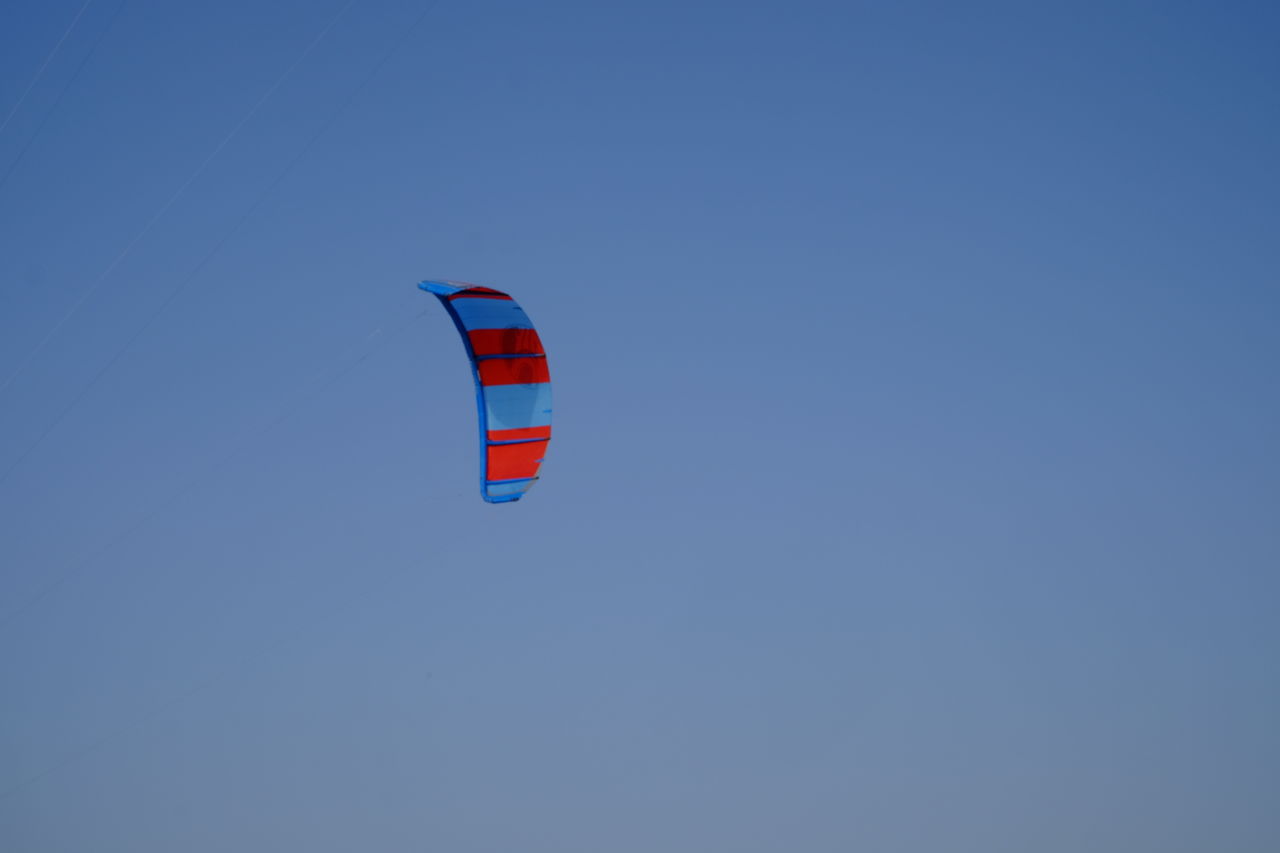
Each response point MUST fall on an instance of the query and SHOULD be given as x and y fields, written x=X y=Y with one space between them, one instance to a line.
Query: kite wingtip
x=439 y=288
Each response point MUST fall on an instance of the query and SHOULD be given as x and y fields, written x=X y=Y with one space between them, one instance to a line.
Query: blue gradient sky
x=915 y=479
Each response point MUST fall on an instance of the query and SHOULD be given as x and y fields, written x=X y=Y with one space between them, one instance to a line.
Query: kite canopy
x=513 y=387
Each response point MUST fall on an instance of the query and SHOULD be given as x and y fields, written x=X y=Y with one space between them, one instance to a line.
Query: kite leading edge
x=513 y=386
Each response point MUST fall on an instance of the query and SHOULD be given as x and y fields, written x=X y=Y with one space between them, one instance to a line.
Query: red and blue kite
x=513 y=386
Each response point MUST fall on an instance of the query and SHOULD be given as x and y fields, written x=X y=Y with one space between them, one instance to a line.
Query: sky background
x=916 y=470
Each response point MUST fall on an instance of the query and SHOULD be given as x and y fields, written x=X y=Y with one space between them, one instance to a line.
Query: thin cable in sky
x=58 y=100
x=218 y=246
x=337 y=369
x=347 y=603
x=43 y=66
x=177 y=194
x=182 y=285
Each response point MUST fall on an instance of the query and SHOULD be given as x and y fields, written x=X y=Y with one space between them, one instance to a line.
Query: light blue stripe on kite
x=516 y=487
x=518 y=406
x=439 y=287
x=479 y=313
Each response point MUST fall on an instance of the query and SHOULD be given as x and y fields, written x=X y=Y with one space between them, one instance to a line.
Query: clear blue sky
x=916 y=473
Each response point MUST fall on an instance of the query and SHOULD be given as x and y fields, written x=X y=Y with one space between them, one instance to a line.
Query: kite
x=513 y=386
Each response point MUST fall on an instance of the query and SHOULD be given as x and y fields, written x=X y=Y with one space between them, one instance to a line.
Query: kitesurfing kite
x=513 y=387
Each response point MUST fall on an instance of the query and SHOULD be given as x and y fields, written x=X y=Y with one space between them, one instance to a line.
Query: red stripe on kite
x=519 y=434
x=504 y=341
x=513 y=371
x=480 y=293
x=514 y=461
